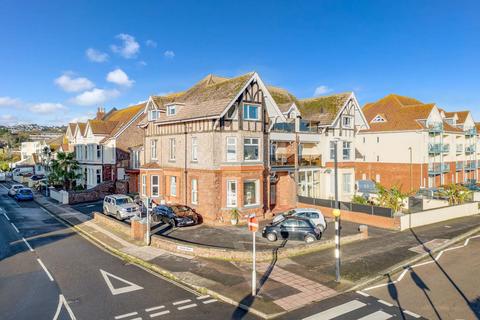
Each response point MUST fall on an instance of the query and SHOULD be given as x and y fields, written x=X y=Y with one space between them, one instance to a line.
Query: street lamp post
x=336 y=213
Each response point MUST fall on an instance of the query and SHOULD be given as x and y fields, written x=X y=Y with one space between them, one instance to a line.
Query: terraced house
x=236 y=143
x=108 y=147
x=415 y=145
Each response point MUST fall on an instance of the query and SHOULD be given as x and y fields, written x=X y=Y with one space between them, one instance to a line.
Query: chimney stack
x=100 y=113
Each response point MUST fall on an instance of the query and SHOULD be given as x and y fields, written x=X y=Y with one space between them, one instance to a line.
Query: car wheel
x=309 y=238
x=321 y=227
x=172 y=223
x=272 y=237
x=105 y=211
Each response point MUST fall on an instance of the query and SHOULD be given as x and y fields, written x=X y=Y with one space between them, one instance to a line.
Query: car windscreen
x=26 y=192
x=182 y=211
x=121 y=201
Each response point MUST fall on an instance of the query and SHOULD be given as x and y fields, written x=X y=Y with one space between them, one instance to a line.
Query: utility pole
x=336 y=213
x=149 y=206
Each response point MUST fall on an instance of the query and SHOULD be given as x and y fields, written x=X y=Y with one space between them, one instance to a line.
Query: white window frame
x=251 y=144
x=347 y=183
x=332 y=150
x=173 y=186
x=172 y=149
x=349 y=144
x=144 y=184
x=347 y=122
x=153 y=149
x=257 y=193
x=153 y=114
x=194 y=191
x=378 y=119
x=154 y=194
x=231 y=143
x=135 y=159
x=232 y=197
x=171 y=110
x=194 y=149
x=246 y=111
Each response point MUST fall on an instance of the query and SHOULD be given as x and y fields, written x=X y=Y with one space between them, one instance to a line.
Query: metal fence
x=350 y=206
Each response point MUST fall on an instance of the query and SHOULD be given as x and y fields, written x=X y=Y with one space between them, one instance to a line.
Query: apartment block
x=416 y=145
x=237 y=143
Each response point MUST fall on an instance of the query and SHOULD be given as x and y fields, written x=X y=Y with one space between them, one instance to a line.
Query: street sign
x=253 y=224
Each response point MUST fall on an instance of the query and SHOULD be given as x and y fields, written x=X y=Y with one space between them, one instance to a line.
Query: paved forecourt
x=75 y=279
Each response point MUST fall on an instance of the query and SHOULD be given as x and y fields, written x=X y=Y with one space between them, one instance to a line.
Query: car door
x=287 y=229
x=303 y=229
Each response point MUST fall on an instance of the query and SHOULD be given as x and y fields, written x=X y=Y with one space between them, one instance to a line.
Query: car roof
x=118 y=196
x=26 y=189
x=18 y=185
x=300 y=210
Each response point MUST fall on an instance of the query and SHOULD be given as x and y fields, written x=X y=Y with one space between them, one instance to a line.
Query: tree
x=455 y=193
x=64 y=170
x=392 y=198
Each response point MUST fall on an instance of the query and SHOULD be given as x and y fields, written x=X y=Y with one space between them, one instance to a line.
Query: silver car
x=314 y=215
x=120 y=206
x=14 y=188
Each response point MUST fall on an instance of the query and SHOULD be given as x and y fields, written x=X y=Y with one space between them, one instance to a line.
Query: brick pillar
x=138 y=229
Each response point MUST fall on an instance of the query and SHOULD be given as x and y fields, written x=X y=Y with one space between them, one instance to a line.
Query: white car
x=14 y=188
x=120 y=206
x=314 y=215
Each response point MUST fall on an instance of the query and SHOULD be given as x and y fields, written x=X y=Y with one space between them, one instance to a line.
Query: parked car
x=37 y=177
x=292 y=228
x=176 y=215
x=120 y=206
x=3 y=176
x=14 y=188
x=314 y=215
x=24 y=194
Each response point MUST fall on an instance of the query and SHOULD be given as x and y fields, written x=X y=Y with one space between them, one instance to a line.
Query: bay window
x=250 y=193
x=250 y=149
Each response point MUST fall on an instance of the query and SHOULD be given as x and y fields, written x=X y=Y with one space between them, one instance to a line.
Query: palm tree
x=455 y=194
x=391 y=198
x=64 y=170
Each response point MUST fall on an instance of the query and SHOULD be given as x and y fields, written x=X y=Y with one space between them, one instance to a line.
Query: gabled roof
x=82 y=126
x=283 y=98
x=324 y=109
x=461 y=115
x=123 y=116
x=207 y=98
x=102 y=127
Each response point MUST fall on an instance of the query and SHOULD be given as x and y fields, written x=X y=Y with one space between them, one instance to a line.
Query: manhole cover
x=428 y=246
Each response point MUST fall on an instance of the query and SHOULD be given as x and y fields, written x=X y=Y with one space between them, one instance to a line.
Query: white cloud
x=151 y=43
x=118 y=76
x=169 y=54
x=70 y=84
x=95 y=96
x=47 y=107
x=79 y=119
x=322 y=90
x=8 y=102
x=142 y=63
x=129 y=47
x=95 y=55
x=8 y=119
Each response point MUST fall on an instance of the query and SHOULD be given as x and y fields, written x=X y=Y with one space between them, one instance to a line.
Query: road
x=48 y=271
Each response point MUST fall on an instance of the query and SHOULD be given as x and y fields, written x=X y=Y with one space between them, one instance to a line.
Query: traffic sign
x=253 y=224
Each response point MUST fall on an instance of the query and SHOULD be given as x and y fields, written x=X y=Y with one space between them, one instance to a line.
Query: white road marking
x=159 y=314
x=187 y=306
x=209 y=301
x=126 y=315
x=385 y=303
x=6 y=216
x=409 y=268
x=45 y=269
x=130 y=285
x=337 y=311
x=180 y=302
x=28 y=244
x=14 y=227
x=90 y=205
x=379 y=315
x=63 y=301
x=203 y=297
x=154 y=308
x=411 y=313
x=363 y=294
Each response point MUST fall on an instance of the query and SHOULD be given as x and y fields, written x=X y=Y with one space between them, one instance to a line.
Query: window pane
x=250 y=193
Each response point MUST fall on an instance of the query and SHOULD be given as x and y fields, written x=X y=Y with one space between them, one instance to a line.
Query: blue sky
x=60 y=60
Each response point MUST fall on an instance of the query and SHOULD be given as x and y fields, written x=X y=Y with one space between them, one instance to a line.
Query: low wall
x=428 y=204
x=111 y=223
x=357 y=217
x=60 y=196
x=97 y=193
x=438 y=215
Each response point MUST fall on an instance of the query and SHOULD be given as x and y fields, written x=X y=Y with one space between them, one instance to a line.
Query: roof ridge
x=327 y=96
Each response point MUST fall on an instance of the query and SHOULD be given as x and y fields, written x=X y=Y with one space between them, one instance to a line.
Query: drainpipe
x=185 y=166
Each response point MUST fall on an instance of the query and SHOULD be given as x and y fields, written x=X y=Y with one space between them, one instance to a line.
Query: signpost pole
x=149 y=205
x=254 y=273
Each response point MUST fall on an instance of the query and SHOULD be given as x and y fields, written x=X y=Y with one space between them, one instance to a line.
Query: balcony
x=471 y=132
x=310 y=161
x=436 y=128
x=470 y=149
x=308 y=127
x=438 y=168
x=470 y=166
x=459 y=148
x=284 y=127
x=437 y=148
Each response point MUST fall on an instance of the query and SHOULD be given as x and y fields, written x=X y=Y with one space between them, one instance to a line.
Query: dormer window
x=251 y=112
x=153 y=115
x=378 y=119
x=171 y=110
x=347 y=122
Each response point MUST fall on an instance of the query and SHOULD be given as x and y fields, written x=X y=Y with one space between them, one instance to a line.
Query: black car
x=37 y=177
x=292 y=228
x=176 y=215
